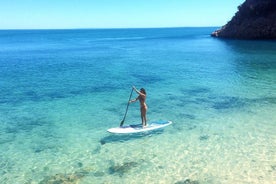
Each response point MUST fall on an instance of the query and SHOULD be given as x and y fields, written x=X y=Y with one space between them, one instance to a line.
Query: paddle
x=122 y=122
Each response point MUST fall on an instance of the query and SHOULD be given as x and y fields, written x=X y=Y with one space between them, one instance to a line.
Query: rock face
x=256 y=19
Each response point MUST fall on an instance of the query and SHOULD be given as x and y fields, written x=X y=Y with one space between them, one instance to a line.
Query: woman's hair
x=143 y=91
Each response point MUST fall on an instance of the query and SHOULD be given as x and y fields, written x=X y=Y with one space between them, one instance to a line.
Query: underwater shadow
x=129 y=137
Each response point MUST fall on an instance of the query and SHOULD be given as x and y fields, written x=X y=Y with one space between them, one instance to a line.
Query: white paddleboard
x=129 y=129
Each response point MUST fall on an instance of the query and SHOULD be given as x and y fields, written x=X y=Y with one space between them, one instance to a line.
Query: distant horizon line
x=14 y=29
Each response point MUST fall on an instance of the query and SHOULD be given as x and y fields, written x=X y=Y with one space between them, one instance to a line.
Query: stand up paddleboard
x=129 y=129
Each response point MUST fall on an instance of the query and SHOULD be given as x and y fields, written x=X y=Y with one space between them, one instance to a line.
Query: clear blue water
x=62 y=89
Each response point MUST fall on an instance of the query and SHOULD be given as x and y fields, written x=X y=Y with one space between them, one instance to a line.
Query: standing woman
x=143 y=106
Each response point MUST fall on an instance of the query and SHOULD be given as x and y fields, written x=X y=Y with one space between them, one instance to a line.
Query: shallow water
x=62 y=89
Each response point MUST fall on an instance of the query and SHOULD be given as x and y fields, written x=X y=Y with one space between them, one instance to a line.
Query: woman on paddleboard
x=143 y=106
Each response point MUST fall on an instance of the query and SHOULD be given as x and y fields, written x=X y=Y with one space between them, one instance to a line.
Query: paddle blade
x=122 y=122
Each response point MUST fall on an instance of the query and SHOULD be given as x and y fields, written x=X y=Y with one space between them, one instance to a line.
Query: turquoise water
x=62 y=89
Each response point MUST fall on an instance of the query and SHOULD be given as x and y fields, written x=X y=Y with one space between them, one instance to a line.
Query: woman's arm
x=137 y=91
x=134 y=100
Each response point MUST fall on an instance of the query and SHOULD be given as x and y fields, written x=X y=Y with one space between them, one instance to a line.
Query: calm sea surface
x=60 y=90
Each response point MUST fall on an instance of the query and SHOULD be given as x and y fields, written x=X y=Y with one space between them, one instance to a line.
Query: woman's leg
x=143 y=116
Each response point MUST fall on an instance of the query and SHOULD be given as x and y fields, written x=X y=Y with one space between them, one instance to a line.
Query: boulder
x=255 y=19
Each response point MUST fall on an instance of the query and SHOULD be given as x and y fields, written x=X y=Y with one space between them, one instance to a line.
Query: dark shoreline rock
x=255 y=20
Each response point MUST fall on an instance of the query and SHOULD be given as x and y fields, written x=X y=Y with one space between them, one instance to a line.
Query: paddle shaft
x=122 y=122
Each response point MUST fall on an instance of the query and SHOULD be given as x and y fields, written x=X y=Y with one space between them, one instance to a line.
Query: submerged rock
x=62 y=179
x=204 y=137
x=70 y=178
x=122 y=169
x=256 y=19
x=187 y=181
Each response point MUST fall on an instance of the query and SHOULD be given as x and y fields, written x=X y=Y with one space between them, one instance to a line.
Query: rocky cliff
x=255 y=19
